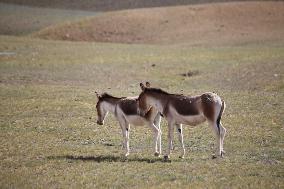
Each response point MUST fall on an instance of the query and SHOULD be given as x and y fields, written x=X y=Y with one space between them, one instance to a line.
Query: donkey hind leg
x=126 y=138
x=125 y=128
x=157 y=122
x=222 y=135
x=172 y=146
x=180 y=137
x=156 y=132
x=218 y=136
x=170 y=140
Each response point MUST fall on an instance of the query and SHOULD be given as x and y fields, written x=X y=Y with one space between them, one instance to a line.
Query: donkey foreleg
x=125 y=134
x=157 y=123
x=156 y=132
x=180 y=137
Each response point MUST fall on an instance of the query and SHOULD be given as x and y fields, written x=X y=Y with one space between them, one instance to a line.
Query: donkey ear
x=148 y=84
x=142 y=86
x=97 y=94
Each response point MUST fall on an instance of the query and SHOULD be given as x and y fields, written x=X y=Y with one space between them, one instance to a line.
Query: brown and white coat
x=125 y=110
x=180 y=109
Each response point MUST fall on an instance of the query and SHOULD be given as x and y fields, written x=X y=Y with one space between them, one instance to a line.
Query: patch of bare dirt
x=190 y=73
x=218 y=23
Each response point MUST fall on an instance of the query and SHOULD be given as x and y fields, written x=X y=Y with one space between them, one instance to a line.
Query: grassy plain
x=49 y=137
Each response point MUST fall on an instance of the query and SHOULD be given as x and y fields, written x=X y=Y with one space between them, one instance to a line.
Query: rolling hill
x=218 y=23
x=109 y=5
x=22 y=20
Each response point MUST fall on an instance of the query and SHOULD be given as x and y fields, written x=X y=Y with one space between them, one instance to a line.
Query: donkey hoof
x=222 y=154
x=181 y=157
x=166 y=157
x=214 y=156
x=157 y=154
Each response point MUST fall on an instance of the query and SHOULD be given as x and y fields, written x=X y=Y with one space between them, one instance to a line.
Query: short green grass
x=49 y=137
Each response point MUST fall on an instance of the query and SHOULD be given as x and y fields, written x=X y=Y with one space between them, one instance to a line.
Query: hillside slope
x=218 y=23
x=22 y=20
x=198 y=24
x=109 y=5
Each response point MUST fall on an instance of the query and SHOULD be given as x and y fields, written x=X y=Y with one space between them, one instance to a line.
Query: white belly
x=187 y=120
x=136 y=120
x=190 y=120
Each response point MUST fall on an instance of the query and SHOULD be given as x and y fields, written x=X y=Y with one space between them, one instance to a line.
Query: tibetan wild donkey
x=179 y=109
x=125 y=110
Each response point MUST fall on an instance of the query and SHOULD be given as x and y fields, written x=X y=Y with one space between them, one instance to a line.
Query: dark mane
x=157 y=90
x=106 y=96
x=160 y=91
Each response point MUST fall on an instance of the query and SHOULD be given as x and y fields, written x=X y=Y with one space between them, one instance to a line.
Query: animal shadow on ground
x=105 y=158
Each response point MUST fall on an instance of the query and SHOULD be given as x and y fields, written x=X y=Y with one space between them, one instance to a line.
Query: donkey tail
x=220 y=114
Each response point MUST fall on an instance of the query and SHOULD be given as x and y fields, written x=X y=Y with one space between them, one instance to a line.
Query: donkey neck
x=151 y=114
x=110 y=103
x=159 y=101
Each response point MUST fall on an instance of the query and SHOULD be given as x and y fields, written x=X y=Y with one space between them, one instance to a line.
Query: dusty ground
x=48 y=119
x=221 y=23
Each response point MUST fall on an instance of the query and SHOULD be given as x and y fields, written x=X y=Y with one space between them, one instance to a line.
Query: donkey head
x=142 y=102
x=101 y=110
